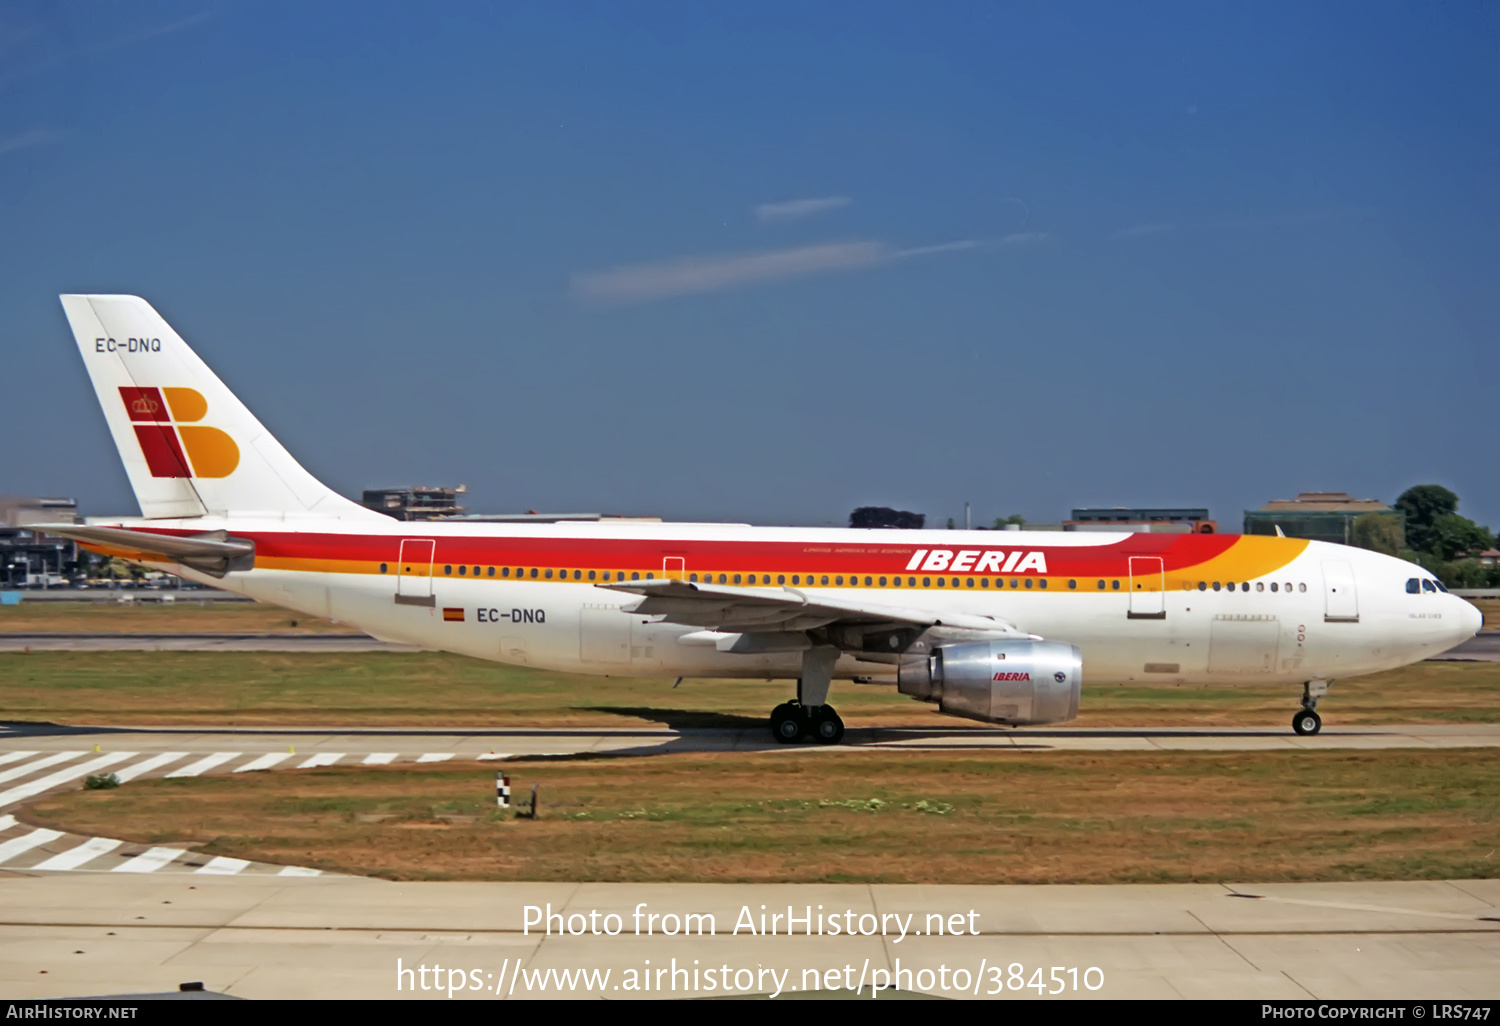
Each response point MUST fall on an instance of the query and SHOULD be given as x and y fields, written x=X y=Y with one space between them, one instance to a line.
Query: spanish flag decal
x=451 y=613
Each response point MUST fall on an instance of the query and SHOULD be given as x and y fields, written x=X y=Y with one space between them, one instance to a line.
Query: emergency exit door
x=1148 y=596
x=414 y=572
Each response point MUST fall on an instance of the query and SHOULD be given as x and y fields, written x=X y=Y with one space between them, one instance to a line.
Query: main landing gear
x=792 y=721
x=1307 y=721
x=810 y=715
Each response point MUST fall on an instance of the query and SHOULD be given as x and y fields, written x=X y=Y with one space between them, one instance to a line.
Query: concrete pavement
x=342 y=937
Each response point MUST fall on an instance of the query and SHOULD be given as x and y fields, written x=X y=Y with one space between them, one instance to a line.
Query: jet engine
x=1013 y=682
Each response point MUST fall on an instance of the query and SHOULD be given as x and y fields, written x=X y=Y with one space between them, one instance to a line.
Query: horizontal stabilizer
x=213 y=553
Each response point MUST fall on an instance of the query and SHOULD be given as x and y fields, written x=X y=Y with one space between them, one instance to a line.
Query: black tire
x=788 y=723
x=827 y=728
x=1307 y=722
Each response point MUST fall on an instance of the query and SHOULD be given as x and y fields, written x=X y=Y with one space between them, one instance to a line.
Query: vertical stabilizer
x=189 y=446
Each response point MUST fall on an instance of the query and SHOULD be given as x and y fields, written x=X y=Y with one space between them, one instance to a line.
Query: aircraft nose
x=1471 y=618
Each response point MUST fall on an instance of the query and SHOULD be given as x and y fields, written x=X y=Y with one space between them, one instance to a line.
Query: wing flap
x=719 y=607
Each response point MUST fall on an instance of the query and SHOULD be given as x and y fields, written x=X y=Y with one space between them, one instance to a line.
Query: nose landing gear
x=1307 y=721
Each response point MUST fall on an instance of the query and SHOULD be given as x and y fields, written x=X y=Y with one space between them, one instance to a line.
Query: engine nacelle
x=1014 y=682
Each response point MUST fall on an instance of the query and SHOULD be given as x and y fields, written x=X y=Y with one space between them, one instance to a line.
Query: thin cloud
x=1141 y=230
x=712 y=273
x=790 y=210
x=30 y=140
x=45 y=61
x=942 y=247
x=1022 y=238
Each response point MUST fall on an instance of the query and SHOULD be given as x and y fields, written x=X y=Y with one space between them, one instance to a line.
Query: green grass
x=426 y=689
x=1006 y=817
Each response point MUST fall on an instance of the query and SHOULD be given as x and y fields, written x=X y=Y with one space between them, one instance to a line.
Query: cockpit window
x=1428 y=586
x=1413 y=586
x=1440 y=586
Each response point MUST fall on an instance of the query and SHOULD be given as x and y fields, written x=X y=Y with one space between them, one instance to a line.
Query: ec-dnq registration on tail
x=993 y=626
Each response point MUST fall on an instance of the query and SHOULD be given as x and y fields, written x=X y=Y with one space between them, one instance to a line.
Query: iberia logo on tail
x=173 y=443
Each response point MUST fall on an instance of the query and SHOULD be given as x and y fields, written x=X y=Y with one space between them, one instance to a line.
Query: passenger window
x=984 y=582
x=490 y=572
x=736 y=578
x=781 y=578
x=1115 y=584
x=462 y=571
x=882 y=582
x=1015 y=582
x=591 y=575
x=796 y=579
x=955 y=582
x=1072 y=585
x=650 y=577
x=1428 y=586
x=533 y=573
x=1042 y=584
x=927 y=582
x=1202 y=585
x=1230 y=585
x=693 y=577
x=606 y=575
x=723 y=579
x=1287 y=586
x=548 y=574
x=1260 y=586
x=447 y=569
x=1216 y=586
x=942 y=582
x=825 y=578
x=911 y=582
x=1273 y=585
x=1301 y=586
x=1028 y=582
x=1101 y=585
x=969 y=581
x=838 y=580
x=382 y=568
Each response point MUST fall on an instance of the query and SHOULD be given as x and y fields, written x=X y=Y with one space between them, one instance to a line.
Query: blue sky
x=767 y=262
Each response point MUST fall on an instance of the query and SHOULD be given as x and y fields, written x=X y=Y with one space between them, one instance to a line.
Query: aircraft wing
x=747 y=610
x=213 y=553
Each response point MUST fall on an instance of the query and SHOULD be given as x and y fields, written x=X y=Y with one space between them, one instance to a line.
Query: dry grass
x=820 y=816
x=425 y=689
x=182 y=617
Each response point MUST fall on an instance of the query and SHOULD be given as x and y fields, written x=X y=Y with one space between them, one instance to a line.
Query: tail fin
x=189 y=446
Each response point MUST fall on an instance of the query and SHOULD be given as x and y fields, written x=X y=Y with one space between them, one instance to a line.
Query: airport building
x=1318 y=516
x=1164 y=520
x=29 y=558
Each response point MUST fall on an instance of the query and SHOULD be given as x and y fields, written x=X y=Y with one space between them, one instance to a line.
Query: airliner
x=995 y=626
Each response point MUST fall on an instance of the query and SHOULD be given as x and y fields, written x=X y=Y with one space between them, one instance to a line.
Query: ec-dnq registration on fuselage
x=994 y=626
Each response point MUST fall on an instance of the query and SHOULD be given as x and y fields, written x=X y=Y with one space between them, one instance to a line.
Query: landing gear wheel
x=788 y=723
x=1307 y=722
x=827 y=728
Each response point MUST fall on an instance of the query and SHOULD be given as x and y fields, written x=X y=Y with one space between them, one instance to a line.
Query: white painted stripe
x=40 y=764
x=222 y=865
x=435 y=757
x=6 y=822
x=264 y=762
x=299 y=871
x=147 y=765
x=88 y=851
x=21 y=845
x=321 y=759
x=379 y=758
x=150 y=861
x=487 y=756
x=14 y=757
x=33 y=787
x=203 y=765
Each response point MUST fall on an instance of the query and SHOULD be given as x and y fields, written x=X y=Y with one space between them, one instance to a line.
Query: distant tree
x=1379 y=532
x=884 y=516
x=1014 y=518
x=1423 y=504
x=1463 y=573
x=1451 y=536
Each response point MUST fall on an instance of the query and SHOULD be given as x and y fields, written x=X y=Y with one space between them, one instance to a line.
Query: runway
x=342 y=937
